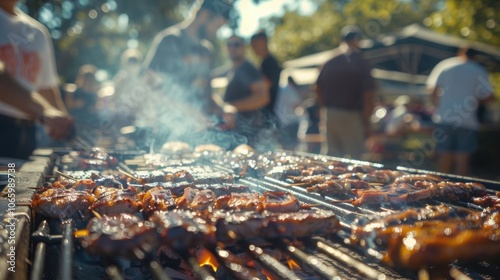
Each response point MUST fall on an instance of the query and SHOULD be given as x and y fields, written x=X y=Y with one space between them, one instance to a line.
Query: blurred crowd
x=166 y=95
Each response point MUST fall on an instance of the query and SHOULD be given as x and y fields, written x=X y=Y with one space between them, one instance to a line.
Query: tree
x=297 y=35
x=98 y=31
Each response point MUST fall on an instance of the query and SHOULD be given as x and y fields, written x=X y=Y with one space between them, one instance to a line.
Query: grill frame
x=53 y=161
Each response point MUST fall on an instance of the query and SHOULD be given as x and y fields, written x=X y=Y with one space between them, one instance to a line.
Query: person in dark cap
x=179 y=62
x=345 y=91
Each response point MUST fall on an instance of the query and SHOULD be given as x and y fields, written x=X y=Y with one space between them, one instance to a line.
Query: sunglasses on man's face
x=234 y=44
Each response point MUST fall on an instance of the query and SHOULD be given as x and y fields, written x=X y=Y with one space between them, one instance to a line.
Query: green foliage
x=98 y=31
x=297 y=35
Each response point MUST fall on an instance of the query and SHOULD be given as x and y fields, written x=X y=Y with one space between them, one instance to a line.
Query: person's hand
x=60 y=126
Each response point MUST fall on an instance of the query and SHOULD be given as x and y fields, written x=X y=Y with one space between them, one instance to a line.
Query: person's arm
x=53 y=96
x=35 y=106
x=435 y=96
x=258 y=98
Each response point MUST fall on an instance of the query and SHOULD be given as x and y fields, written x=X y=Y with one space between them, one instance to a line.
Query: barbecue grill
x=47 y=249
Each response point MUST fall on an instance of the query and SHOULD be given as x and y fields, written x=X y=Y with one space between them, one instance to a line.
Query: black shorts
x=455 y=139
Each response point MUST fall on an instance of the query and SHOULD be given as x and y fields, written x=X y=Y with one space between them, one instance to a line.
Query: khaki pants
x=344 y=131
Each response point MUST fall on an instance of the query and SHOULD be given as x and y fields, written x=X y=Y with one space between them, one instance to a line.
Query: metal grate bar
x=158 y=272
x=326 y=271
x=37 y=273
x=270 y=263
x=362 y=268
x=66 y=268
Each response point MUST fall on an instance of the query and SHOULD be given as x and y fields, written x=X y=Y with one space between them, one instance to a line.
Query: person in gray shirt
x=458 y=85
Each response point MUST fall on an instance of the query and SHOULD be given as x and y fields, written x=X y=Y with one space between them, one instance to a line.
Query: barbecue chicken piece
x=157 y=199
x=120 y=235
x=240 y=202
x=61 y=203
x=433 y=239
x=491 y=201
x=182 y=229
x=194 y=199
x=340 y=186
x=114 y=201
x=282 y=202
x=247 y=225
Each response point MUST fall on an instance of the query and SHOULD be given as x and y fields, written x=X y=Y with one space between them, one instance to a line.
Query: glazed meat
x=432 y=236
x=114 y=201
x=240 y=202
x=247 y=225
x=61 y=203
x=282 y=202
x=120 y=235
x=182 y=229
x=195 y=199
x=340 y=186
x=157 y=199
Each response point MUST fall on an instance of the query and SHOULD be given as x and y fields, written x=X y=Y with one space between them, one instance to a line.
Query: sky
x=251 y=14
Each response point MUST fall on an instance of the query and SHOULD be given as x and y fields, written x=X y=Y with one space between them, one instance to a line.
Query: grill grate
x=320 y=259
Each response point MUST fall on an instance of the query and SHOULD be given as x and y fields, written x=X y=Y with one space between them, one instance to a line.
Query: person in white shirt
x=28 y=84
x=458 y=86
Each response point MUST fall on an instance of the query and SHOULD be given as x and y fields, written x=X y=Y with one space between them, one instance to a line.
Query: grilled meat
x=240 y=202
x=247 y=225
x=182 y=229
x=492 y=201
x=120 y=235
x=314 y=179
x=157 y=199
x=382 y=176
x=195 y=199
x=61 y=203
x=340 y=186
x=434 y=239
x=283 y=202
x=114 y=201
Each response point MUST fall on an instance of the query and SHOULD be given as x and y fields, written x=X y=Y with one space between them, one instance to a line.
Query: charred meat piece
x=240 y=202
x=316 y=170
x=436 y=241
x=160 y=177
x=282 y=172
x=61 y=203
x=365 y=228
x=120 y=235
x=314 y=179
x=114 y=201
x=182 y=229
x=84 y=185
x=411 y=178
x=340 y=186
x=157 y=199
x=382 y=176
x=492 y=201
x=247 y=225
x=195 y=199
x=282 y=202
x=222 y=190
